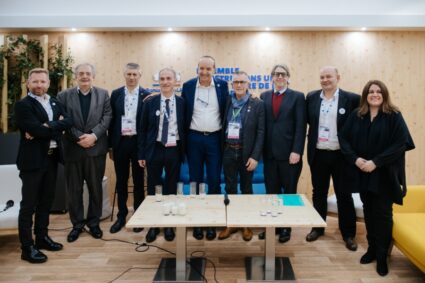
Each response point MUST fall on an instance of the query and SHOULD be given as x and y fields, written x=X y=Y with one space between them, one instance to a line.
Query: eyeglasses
x=278 y=74
x=239 y=82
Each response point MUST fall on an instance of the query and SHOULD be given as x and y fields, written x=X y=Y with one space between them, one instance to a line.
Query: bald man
x=327 y=111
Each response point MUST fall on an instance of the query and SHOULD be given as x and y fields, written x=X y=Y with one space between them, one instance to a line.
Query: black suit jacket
x=188 y=93
x=117 y=106
x=286 y=133
x=253 y=126
x=150 y=125
x=347 y=101
x=30 y=117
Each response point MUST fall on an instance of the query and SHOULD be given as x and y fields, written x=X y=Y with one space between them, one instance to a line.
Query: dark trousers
x=38 y=193
x=205 y=149
x=233 y=165
x=91 y=170
x=124 y=155
x=378 y=216
x=280 y=177
x=167 y=158
x=327 y=164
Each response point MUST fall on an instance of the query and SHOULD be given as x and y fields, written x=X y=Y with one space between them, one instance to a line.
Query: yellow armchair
x=409 y=226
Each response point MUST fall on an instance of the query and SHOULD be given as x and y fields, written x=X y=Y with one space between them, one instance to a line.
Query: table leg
x=180 y=253
x=270 y=253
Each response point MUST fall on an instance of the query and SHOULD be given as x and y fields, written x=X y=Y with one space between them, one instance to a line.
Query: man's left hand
x=294 y=158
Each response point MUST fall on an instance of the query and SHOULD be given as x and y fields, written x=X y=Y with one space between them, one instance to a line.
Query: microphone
x=9 y=204
x=226 y=199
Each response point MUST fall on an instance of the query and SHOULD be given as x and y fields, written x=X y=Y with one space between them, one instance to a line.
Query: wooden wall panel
x=397 y=58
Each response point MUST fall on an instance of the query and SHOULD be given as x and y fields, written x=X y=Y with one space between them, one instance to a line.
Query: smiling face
x=374 y=98
x=132 y=78
x=84 y=76
x=329 y=79
x=167 y=81
x=240 y=84
x=280 y=78
x=206 y=70
x=38 y=83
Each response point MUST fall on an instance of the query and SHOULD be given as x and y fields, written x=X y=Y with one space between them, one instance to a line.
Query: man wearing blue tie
x=161 y=141
x=205 y=99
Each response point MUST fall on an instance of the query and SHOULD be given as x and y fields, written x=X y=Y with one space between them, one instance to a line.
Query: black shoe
x=151 y=235
x=33 y=255
x=74 y=234
x=211 y=234
x=381 y=266
x=350 y=244
x=284 y=235
x=169 y=234
x=262 y=236
x=46 y=243
x=198 y=233
x=314 y=235
x=368 y=257
x=96 y=232
x=137 y=230
x=116 y=227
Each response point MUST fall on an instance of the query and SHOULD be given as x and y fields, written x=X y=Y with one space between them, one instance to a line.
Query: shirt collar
x=135 y=90
x=280 y=92
x=335 y=96
x=198 y=84
x=44 y=98
x=163 y=98
x=78 y=88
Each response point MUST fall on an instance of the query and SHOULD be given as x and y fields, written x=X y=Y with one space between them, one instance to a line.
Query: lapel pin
x=341 y=111
x=157 y=113
x=53 y=103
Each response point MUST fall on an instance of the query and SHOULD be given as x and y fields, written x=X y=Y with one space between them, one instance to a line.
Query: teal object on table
x=291 y=200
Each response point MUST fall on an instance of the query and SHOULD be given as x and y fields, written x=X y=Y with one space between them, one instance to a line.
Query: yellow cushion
x=413 y=202
x=408 y=235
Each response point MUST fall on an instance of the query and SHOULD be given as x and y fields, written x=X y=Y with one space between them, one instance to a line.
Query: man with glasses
x=243 y=141
x=205 y=98
x=285 y=136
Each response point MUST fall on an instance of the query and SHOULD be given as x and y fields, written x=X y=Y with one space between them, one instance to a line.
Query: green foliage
x=59 y=66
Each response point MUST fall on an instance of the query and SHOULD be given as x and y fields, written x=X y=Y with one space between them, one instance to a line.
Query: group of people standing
x=358 y=141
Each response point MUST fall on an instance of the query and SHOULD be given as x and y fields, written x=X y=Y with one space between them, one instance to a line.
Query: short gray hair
x=93 y=69
x=240 y=72
x=132 y=66
x=168 y=69
x=283 y=66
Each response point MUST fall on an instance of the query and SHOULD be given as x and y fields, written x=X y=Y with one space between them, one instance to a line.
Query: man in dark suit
x=285 y=136
x=327 y=111
x=85 y=147
x=127 y=105
x=243 y=130
x=161 y=141
x=205 y=99
x=41 y=120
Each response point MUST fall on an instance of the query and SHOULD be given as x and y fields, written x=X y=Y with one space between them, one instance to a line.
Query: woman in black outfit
x=375 y=139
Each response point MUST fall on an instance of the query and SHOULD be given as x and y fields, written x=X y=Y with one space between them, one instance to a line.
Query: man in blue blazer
x=161 y=141
x=327 y=111
x=41 y=120
x=205 y=99
x=127 y=105
x=285 y=137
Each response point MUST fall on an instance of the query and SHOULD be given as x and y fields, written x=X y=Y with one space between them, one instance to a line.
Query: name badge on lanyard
x=233 y=130
x=324 y=133
x=171 y=140
x=128 y=126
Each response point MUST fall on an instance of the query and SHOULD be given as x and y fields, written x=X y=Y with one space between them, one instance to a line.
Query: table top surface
x=266 y=211
x=207 y=211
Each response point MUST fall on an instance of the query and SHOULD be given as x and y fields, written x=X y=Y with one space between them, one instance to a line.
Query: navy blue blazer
x=117 y=105
x=150 y=125
x=30 y=117
x=347 y=102
x=286 y=133
x=188 y=93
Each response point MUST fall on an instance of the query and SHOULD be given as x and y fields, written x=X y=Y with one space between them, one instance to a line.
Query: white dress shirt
x=172 y=120
x=328 y=122
x=44 y=100
x=206 y=110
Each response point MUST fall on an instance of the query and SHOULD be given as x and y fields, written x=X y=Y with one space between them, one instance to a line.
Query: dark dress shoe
x=151 y=235
x=198 y=233
x=33 y=255
x=350 y=244
x=314 y=235
x=116 y=227
x=96 y=232
x=169 y=234
x=46 y=243
x=137 y=230
x=211 y=234
x=368 y=257
x=74 y=234
x=381 y=266
x=284 y=235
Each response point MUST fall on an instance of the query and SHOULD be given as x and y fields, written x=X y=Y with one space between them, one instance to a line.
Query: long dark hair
x=387 y=106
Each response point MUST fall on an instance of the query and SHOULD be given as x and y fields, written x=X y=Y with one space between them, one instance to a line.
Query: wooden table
x=207 y=211
x=245 y=211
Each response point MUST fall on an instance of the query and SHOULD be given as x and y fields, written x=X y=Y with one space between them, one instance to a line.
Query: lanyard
x=236 y=114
